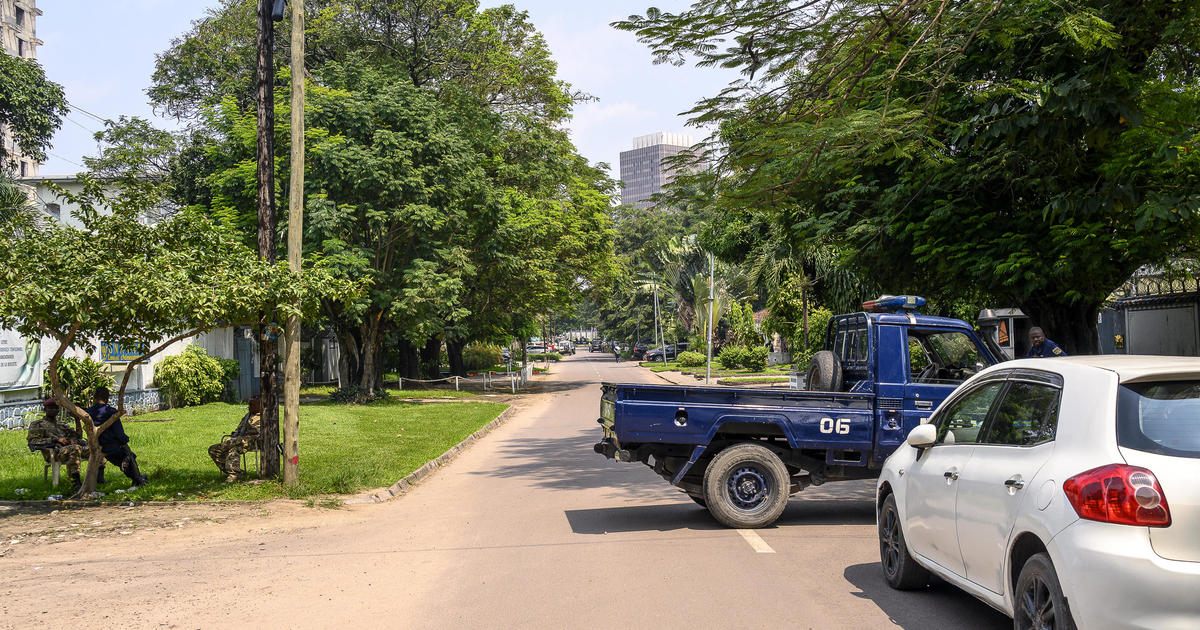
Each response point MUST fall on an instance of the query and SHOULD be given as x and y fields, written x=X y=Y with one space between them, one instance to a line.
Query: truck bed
x=636 y=414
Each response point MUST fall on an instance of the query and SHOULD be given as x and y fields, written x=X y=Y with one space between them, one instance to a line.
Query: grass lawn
x=751 y=380
x=343 y=449
x=717 y=370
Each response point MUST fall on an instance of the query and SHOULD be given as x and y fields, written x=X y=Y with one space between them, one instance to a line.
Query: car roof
x=1129 y=368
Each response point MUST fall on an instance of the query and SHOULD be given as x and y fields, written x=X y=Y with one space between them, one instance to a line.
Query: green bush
x=80 y=378
x=756 y=359
x=690 y=359
x=545 y=356
x=478 y=356
x=193 y=377
x=732 y=357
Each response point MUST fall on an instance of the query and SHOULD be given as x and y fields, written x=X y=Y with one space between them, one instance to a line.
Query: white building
x=18 y=38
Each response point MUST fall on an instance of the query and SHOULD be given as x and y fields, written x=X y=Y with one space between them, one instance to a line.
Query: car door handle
x=1014 y=483
x=952 y=475
x=924 y=404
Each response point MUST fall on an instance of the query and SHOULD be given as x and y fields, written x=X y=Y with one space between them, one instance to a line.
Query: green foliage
x=1035 y=153
x=31 y=107
x=480 y=356
x=193 y=377
x=742 y=330
x=756 y=359
x=691 y=359
x=545 y=356
x=355 y=395
x=80 y=378
x=733 y=357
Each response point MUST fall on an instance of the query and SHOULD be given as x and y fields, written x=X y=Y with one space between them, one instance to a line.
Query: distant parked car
x=566 y=347
x=640 y=348
x=1060 y=491
x=535 y=348
x=595 y=346
x=671 y=350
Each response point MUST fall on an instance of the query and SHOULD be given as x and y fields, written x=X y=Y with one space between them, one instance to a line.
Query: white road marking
x=756 y=541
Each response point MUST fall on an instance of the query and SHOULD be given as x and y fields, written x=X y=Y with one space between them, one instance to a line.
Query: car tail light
x=1118 y=493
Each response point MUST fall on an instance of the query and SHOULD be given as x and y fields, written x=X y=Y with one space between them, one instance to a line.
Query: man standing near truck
x=1040 y=347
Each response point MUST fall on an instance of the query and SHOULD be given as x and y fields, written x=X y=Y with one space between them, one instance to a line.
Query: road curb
x=404 y=485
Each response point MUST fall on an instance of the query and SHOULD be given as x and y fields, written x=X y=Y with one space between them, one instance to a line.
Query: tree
x=118 y=279
x=31 y=107
x=1036 y=152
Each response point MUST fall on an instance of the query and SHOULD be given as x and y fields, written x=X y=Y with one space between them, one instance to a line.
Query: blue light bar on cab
x=893 y=303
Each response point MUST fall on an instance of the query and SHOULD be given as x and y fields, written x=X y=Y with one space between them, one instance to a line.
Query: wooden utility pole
x=291 y=369
x=267 y=344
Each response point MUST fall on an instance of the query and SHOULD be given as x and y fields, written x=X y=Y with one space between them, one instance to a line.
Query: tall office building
x=18 y=38
x=642 y=169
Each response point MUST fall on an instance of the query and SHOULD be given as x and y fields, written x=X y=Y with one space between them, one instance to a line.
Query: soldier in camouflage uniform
x=49 y=436
x=227 y=455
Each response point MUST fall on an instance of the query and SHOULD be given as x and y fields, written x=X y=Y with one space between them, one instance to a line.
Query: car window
x=1027 y=415
x=962 y=421
x=1161 y=417
x=948 y=357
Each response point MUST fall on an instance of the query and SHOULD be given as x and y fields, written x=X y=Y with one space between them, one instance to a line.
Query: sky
x=103 y=55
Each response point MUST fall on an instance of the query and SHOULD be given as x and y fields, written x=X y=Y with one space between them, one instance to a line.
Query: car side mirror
x=922 y=436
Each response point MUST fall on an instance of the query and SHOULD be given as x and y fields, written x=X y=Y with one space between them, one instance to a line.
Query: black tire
x=746 y=486
x=1038 y=600
x=899 y=569
x=699 y=500
x=824 y=373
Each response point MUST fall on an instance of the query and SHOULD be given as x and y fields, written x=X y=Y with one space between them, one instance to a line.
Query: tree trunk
x=1072 y=326
x=410 y=362
x=370 y=355
x=454 y=349
x=431 y=364
x=268 y=392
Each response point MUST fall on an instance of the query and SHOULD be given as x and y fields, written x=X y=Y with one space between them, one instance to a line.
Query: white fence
x=18 y=415
x=487 y=381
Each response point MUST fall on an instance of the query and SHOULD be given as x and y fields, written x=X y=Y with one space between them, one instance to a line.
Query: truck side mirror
x=922 y=436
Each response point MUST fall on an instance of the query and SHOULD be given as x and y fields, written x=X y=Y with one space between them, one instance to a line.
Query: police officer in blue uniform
x=1041 y=347
x=114 y=443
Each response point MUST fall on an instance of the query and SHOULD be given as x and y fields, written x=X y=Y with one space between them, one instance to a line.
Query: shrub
x=80 y=378
x=478 y=356
x=355 y=395
x=732 y=357
x=756 y=359
x=545 y=356
x=193 y=377
x=690 y=359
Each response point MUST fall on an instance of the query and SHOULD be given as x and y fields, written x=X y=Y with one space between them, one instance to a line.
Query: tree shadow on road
x=642 y=518
x=938 y=605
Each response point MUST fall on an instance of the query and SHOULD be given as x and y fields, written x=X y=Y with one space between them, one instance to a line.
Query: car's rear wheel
x=899 y=568
x=1039 y=603
x=746 y=486
x=824 y=373
x=699 y=500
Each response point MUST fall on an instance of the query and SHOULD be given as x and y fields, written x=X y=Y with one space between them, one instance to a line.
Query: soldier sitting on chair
x=53 y=438
x=244 y=439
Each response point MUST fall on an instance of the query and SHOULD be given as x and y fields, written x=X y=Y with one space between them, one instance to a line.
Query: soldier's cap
x=50 y=403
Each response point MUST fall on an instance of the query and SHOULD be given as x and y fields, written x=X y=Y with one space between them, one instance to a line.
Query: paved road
x=528 y=528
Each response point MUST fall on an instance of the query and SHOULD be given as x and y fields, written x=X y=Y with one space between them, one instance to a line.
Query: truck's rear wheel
x=746 y=486
x=699 y=500
x=824 y=373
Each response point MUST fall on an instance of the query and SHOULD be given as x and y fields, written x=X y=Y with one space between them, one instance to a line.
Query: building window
x=20 y=47
x=24 y=168
x=54 y=210
x=20 y=18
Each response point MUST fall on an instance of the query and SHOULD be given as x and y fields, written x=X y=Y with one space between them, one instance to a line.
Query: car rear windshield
x=1160 y=417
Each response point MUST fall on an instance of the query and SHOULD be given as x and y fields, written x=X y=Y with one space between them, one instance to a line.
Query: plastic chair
x=51 y=469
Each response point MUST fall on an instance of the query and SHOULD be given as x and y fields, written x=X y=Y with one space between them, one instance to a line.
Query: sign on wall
x=20 y=361
x=116 y=353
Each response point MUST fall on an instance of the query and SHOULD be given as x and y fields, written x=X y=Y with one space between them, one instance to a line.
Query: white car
x=1063 y=492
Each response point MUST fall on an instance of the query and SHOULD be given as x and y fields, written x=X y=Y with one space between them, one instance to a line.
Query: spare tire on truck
x=824 y=373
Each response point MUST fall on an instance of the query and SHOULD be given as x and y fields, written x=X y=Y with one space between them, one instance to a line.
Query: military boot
x=100 y=476
x=76 y=483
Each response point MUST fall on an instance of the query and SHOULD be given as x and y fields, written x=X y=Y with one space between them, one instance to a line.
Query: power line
x=84 y=111
x=79 y=124
x=65 y=159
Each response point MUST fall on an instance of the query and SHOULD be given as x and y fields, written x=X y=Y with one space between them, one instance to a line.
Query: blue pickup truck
x=742 y=452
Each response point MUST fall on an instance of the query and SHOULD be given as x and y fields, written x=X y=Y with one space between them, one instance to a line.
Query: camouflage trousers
x=70 y=454
x=228 y=454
